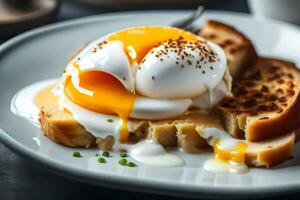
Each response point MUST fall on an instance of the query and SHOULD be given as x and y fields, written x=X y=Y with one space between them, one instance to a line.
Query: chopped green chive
x=110 y=120
x=76 y=154
x=105 y=154
x=123 y=162
x=131 y=164
x=97 y=154
x=101 y=160
x=123 y=155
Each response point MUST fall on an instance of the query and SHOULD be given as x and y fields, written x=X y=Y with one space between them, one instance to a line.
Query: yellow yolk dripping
x=109 y=96
x=139 y=41
x=236 y=156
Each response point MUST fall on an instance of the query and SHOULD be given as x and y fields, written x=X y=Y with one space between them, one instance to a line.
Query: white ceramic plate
x=43 y=53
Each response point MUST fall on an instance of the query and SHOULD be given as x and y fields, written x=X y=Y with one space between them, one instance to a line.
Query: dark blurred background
x=17 y=16
x=20 y=179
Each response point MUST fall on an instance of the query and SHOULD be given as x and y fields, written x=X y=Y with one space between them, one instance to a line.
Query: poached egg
x=150 y=72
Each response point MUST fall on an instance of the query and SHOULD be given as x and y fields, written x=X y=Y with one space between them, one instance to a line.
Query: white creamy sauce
x=226 y=141
x=152 y=153
x=148 y=108
x=96 y=123
x=218 y=166
x=210 y=98
x=23 y=104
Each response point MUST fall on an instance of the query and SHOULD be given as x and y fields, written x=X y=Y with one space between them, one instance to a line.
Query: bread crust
x=238 y=48
x=242 y=118
x=287 y=122
x=273 y=153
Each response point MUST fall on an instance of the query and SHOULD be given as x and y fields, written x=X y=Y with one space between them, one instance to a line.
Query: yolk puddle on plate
x=138 y=41
x=109 y=96
x=237 y=155
x=45 y=97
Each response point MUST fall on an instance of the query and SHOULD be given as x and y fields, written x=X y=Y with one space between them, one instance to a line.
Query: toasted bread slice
x=238 y=48
x=266 y=101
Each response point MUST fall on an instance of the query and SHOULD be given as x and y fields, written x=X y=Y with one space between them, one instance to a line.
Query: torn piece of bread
x=238 y=48
x=270 y=152
x=266 y=101
x=184 y=131
x=60 y=126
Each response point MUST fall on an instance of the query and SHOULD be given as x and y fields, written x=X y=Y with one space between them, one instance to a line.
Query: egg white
x=164 y=76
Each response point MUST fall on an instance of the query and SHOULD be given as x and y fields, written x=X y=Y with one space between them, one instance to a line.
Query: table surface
x=20 y=179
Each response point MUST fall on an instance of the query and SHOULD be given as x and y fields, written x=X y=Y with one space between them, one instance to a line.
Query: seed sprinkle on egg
x=180 y=46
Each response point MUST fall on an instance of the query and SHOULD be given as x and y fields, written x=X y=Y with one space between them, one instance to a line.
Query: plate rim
x=131 y=183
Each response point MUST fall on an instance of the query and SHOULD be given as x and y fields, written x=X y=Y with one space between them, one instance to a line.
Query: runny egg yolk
x=109 y=96
x=236 y=156
x=139 y=41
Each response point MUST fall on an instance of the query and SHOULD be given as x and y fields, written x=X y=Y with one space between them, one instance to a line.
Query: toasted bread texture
x=265 y=101
x=239 y=50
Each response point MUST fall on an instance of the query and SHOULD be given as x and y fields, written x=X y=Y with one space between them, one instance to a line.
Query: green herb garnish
x=123 y=162
x=123 y=155
x=131 y=164
x=110 y=120
x=97 y=154
x=76 y=154
x=101 y=160
x=105 y=154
